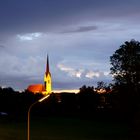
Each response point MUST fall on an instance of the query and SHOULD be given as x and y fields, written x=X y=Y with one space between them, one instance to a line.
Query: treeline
x=15 y=103
x=113 y=103
x=88 y=102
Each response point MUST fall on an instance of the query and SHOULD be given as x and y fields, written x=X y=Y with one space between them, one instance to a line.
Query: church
x=45 y=88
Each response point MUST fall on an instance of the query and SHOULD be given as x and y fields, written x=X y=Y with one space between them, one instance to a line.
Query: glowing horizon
x=66 y=90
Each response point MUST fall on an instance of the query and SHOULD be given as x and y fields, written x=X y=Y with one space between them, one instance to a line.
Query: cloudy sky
x=78 y=35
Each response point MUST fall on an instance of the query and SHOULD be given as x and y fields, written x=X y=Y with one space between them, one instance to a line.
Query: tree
x=126 y=72
x=86 y=90
x=101 y=85
x=126 y=64
x=88 y=99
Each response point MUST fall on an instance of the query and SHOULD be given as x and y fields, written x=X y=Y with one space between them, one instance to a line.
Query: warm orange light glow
x=48 y=83
x=66 y=90
x=36 y=88
x=100 y=91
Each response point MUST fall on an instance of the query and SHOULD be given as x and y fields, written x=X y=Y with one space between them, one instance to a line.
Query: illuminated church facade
x=45 y=88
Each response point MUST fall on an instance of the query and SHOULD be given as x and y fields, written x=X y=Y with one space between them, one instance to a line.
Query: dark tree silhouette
x=126 y=64
x=126 y=72
x=88 y=99
x=103 y=86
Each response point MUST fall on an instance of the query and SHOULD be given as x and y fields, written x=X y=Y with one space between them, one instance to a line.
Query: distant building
x=45 y=88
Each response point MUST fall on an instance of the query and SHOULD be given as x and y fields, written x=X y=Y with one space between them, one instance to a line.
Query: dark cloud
x=44 y=15
x=112 y=22
x=18 y=82
x=82 y=29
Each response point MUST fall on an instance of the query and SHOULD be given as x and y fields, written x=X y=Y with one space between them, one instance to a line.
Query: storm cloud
x=79 y=35
x=81 y=29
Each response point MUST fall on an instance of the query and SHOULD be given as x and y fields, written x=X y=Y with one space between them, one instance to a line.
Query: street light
x=29 y=110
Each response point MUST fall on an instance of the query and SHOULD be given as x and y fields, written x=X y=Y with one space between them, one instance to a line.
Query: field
x=63 y=128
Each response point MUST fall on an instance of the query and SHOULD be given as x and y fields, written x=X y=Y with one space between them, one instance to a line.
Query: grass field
x=61 y=128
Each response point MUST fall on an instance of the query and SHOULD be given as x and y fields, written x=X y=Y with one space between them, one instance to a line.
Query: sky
x=79 y=36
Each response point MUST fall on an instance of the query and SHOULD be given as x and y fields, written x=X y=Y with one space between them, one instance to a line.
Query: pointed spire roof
x=47 y=66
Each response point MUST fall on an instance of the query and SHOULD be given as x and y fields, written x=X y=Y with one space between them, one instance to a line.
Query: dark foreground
x=64 y=128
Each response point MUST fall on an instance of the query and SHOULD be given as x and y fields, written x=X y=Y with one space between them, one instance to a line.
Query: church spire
x=47 y=66
x=47 y=79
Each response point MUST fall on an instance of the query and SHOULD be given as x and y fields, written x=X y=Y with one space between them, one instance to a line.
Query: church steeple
x=47 y=66
x=47 y=78
x=45 y=88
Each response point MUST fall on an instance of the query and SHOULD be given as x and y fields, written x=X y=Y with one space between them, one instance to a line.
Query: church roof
x=36 y=88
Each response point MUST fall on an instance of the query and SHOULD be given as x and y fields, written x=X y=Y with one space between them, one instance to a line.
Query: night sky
x=79 y=36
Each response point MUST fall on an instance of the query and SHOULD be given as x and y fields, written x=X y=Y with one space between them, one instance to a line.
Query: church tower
x=47 y=78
